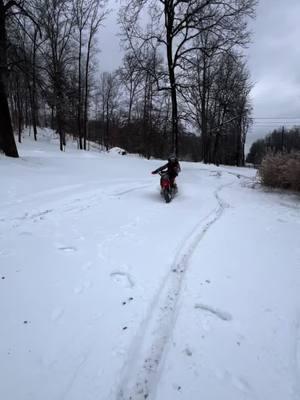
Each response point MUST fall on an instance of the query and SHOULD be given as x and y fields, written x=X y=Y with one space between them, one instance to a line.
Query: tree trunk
x=79 y=92
x=206 y=143
x=52 y=117
x=174 y=113
x=169 y=20
x=87 y=66
x=239 y=158
x=34 y=102
x=216 y=158
x=19 y=109
x=130 y=104
x=60 y=119
x=7 y=140
x=107 y=127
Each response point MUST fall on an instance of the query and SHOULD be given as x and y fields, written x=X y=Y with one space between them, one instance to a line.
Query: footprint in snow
x=223 y=315
x=122 y=278
x=67 y=249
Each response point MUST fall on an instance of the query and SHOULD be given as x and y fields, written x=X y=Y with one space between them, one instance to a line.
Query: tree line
x=281 y=140
x=183 y=84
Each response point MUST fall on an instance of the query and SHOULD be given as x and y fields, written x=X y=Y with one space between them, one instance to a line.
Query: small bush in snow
x=281 y=170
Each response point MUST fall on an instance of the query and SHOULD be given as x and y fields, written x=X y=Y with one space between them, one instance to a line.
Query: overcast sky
x=274 y=63
x=273 y=59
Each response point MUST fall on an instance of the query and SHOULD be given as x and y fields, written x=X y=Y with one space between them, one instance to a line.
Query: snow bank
x=117 y=151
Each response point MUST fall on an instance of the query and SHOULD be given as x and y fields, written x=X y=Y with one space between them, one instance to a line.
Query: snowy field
x=108 y=293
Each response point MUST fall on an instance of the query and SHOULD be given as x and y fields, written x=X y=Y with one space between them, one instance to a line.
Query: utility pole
x=282 y=139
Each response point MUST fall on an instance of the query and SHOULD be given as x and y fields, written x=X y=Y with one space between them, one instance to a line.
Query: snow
x=107 y=292
x=117 y=151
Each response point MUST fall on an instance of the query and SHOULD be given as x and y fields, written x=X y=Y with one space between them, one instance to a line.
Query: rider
x=173 y=168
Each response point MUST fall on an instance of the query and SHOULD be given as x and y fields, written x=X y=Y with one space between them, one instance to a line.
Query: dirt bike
x=167 y=190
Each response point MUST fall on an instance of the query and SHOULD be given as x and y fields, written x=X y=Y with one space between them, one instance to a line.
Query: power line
x=285 y=118
x=276 y=123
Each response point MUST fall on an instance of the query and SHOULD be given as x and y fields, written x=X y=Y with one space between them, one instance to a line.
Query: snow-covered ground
x=108 y=293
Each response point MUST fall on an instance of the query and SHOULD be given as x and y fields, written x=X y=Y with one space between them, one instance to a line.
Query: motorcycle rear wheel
x=167 y=195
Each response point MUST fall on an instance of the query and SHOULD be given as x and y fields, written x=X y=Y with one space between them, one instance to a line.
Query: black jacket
x=173 y=168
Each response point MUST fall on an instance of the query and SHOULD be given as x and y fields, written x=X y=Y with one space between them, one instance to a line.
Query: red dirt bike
x=167 y=190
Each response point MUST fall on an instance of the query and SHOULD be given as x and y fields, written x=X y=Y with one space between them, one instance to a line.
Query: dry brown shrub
x=281 y=170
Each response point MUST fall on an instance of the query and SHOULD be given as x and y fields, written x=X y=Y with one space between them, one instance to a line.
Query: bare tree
x=24 y=42
x=97 y=15
x=176 y=25
x=81 y=11
x=108 y=91
x=232 y=110
x=130 y=75
x=57 y=22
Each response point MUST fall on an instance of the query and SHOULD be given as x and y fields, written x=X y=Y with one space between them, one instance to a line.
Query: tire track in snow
x=219 y=172
x=142 y=369
x=133 y=189
x=40 y=194
x=90 y=195
x=66 y=190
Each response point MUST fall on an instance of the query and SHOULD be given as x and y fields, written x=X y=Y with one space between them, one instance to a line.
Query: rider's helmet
x=172 y=157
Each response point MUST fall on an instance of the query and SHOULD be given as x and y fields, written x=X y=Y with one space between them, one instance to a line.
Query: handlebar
x=159 y=172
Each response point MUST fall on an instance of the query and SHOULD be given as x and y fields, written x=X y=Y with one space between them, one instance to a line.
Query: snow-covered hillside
x=108 y=293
